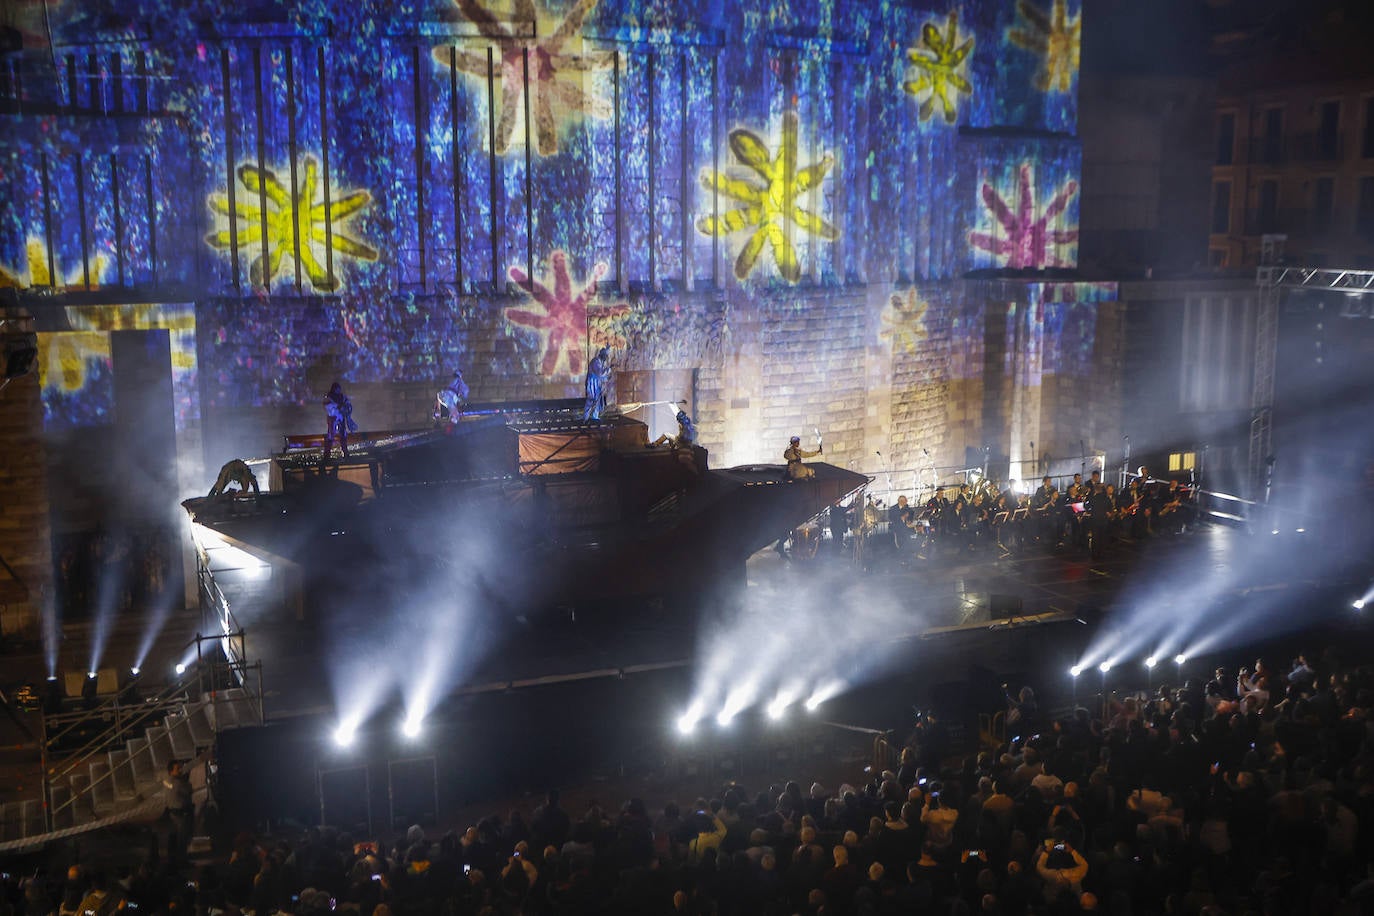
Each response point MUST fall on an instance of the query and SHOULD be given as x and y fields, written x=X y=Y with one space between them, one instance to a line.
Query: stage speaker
x=1004 y=607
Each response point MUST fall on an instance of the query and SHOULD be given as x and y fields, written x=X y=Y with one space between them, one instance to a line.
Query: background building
x=765 y=210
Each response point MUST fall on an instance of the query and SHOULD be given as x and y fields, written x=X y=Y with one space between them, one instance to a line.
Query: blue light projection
x=378 y=182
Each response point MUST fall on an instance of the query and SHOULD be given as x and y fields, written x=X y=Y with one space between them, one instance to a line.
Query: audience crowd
x=1252 y=793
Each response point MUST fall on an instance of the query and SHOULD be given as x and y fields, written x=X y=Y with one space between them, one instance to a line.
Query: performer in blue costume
x=598 y=375
x=338 y=412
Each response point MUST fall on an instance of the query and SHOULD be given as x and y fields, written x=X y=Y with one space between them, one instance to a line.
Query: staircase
x=106 y=765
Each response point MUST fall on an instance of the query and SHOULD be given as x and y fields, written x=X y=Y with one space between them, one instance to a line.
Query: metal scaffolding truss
x=1269 y=280
x=1356 y=282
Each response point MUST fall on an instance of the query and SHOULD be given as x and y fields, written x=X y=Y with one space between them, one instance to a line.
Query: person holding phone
x=1062 y=869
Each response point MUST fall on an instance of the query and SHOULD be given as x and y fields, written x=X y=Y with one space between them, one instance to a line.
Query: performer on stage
x=237 y=472
x=598 y=375
x=338 y=412
x=686 y=434
x=794 y=455
x=449 y=401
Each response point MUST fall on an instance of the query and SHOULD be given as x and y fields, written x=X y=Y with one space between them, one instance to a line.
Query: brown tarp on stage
x=579 y=448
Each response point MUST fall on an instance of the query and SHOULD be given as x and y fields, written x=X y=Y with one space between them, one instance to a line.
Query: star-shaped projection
x=1055 y=37
x=1025 y=239
x=939 y=63
x=562 y=319
x=771 y=209
x=293 y=218
x=903 y=323
x=556 y=73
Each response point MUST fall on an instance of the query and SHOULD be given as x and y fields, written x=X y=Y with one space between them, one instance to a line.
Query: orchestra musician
x=1176 y=511
x=1044 y=504
x=901 y=521
x=1137 y=508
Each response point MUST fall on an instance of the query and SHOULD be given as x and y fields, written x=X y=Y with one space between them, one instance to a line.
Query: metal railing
x=125 y=717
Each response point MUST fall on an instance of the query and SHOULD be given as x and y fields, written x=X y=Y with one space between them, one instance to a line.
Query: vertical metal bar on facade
x=715 y=157
x=81 y=214
x=47 y=218
x=260 y=104
x=457 y=166
x=117 y=81
x=71 y=81
x=653 y=187
x=420 y=133
x=144 y=84
x=619 y=203
x=492 y=169
x=93 y=83
x=118 y=218
x=685 y=192
x=291 y=154
x=152 y=216
x=324 y=166
x=838 y=115
x=226 y=77
x=529 y=166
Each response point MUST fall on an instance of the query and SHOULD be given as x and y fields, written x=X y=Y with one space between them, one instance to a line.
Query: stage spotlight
x=1105 y=667
x=411 y=727
x=1358 y=604
x=1180 y=658
x=724 y=716
x=181 y=667
x=134 y=671
x=344 y=735
x=90 y=675
x=1151 y=662
x=1075 y=671
x=687 y=722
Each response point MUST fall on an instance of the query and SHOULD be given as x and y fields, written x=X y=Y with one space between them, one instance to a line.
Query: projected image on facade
x=283 y=222
x=1024 y=231
x=1054 y=36
x=556 y=74
x=561 y=319
x=939 y=61
x=774 y=209
x=735 y=194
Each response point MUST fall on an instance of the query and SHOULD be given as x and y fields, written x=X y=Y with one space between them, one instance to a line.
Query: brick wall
x=25 y=542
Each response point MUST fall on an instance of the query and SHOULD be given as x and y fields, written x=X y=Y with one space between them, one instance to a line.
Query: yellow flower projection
x=770 y=209
x=938 y=64
x=63 y=357
x=1055 y=37
x=903 y=321
x=35 y=271
x=65 y=354
x=295 y=218
x=556 y=74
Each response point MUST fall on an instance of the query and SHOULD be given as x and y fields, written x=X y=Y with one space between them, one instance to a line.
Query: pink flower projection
x=562 y=320
x=1023 y=239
